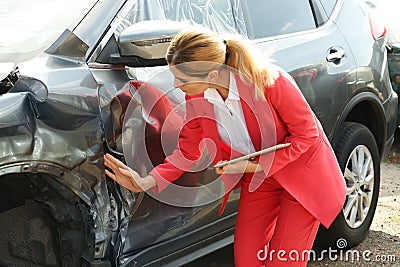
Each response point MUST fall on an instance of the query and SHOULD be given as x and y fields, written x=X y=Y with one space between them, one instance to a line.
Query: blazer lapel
x=248 y=107
x=259 y=116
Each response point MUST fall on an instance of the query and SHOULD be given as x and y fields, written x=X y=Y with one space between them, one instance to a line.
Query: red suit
x=305 y=175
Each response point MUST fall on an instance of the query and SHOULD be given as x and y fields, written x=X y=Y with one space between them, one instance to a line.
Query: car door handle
x=335 y=55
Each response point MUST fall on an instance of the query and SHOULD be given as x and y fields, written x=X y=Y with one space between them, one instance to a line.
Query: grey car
x=76 y=87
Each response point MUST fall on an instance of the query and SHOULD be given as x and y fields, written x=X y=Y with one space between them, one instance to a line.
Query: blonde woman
x=301 y=185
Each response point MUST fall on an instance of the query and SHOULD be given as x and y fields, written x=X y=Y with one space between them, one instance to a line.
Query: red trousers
x=272 y=228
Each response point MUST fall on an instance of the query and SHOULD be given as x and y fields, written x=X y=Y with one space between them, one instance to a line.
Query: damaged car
x=74 y=87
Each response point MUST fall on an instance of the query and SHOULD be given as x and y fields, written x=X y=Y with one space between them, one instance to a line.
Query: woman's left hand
x=127 y=177
x=239 y=167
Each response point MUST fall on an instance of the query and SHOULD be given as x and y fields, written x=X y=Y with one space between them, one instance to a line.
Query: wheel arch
x=367 y=109
x=39 y=181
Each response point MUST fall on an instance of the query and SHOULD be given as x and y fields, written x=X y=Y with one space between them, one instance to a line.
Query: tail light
x=378 y=28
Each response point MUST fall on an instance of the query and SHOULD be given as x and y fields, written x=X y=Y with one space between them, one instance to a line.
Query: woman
x=284 y=196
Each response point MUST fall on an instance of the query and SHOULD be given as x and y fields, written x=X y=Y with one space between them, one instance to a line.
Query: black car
x=77 y=88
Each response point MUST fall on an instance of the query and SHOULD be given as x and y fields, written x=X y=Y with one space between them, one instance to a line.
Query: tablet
x=252 y=155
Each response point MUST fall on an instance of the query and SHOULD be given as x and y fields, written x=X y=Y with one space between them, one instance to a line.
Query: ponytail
x=240 y=57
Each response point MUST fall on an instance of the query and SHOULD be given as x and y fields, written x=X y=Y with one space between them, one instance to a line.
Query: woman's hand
x=240 y=167
x=127 y=177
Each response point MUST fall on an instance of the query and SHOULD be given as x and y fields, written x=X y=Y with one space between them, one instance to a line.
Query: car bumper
x=392 y=112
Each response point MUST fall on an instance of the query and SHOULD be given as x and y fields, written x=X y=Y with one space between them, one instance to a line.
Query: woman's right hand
x=127 y=177
x=243 y=166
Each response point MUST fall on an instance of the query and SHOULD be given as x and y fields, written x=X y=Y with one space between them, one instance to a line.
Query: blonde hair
x=203 y=45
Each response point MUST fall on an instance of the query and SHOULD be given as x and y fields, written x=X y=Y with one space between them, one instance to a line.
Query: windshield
x=28 y=27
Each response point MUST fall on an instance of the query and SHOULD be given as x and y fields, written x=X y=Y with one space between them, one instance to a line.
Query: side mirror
x=145 y=43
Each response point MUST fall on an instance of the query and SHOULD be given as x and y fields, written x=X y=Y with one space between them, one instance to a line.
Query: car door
x=299 y=37
x=142 y=115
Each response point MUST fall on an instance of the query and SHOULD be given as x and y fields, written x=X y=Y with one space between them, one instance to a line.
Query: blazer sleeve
x=301 y=124
x=184 y=157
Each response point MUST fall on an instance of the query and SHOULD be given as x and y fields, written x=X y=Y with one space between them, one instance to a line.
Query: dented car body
x=66 y=105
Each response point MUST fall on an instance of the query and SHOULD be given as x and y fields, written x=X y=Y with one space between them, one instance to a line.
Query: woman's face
x=190 y=85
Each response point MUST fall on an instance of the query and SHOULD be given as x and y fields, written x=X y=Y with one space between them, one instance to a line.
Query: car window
x=329 y=5
x=276 y=17
x=319 y=12
x=217 y=15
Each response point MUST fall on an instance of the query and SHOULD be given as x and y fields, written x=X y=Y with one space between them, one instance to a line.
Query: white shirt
x=229 y=117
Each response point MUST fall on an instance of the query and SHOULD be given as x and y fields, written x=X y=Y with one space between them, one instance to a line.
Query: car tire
x=355 y=144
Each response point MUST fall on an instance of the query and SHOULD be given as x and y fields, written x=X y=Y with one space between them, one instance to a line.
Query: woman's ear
x=213 y=76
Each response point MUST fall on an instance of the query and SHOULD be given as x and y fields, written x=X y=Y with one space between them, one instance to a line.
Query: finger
x=118 y=179
x=134 y=178
x=127 y=172
x=110 y=174
x=123 y=181
x=116 y=176
x=220 y=170
x=116 y=162
x=110 y=164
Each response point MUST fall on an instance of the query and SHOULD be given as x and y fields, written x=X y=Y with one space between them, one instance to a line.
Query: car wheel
x=358 y=157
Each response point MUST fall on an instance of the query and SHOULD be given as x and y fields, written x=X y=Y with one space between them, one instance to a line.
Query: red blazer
x=307 y=169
